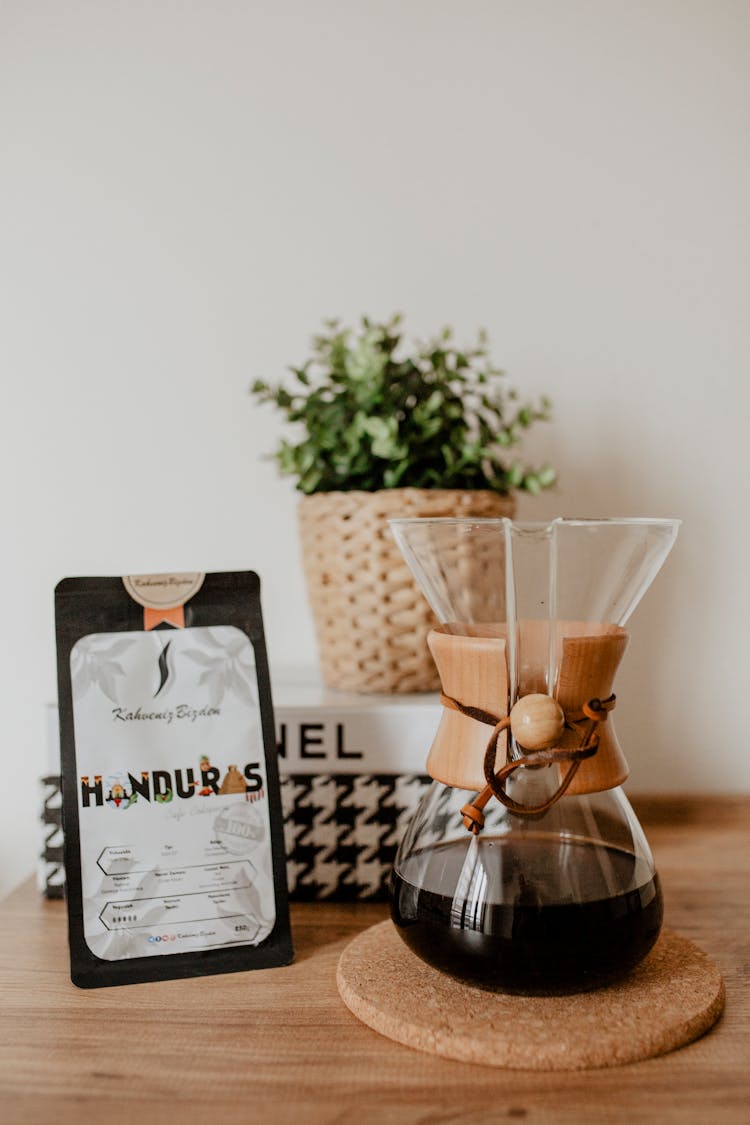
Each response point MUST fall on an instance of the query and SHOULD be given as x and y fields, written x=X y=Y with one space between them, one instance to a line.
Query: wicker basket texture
x=371 y=620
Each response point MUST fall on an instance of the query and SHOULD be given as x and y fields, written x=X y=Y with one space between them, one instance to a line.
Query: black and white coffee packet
x=174 y=850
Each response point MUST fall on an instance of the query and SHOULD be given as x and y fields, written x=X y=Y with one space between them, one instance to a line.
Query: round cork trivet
x=672 y=997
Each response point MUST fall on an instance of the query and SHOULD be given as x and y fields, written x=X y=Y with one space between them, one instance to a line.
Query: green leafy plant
x=375 y=415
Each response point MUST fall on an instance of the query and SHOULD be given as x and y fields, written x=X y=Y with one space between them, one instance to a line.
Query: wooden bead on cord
x=537 y=721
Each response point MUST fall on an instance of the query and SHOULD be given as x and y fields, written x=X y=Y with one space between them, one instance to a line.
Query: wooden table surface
x=279 y=1046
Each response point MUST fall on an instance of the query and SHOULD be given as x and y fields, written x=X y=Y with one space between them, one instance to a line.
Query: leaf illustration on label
x=107 y=678
x=210 y=641
x=212 y=679
x=237 y=646
x=241 y=684
x=93 y=665
x=200 y=657
x=224 y=670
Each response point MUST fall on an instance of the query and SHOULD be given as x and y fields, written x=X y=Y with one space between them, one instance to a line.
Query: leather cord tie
x=584 y=722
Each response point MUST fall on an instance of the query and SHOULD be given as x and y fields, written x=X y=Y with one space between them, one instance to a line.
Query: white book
x=324 y=731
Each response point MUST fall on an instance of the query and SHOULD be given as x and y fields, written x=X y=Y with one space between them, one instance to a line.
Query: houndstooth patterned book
x=52 y=866
x=342 y=830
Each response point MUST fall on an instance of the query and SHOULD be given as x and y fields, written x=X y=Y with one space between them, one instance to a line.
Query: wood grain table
x=279 y=1046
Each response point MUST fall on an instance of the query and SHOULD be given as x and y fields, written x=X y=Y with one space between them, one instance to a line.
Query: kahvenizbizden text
x=182 y=711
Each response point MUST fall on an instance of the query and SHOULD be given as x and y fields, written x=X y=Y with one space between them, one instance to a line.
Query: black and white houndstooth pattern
x=342 y=830
x=52 y=869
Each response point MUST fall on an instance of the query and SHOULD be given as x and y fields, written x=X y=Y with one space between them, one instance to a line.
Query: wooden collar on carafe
x=569 y=733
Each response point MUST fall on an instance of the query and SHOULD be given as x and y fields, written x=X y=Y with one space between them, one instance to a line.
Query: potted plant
x=385 y=431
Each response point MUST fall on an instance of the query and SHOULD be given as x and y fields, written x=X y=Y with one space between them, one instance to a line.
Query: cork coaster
x=672 y=997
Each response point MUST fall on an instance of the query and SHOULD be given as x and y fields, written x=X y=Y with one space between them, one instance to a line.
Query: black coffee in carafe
x=529 y=915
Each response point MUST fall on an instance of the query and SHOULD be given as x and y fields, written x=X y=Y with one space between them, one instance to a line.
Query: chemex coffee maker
x=524 y=868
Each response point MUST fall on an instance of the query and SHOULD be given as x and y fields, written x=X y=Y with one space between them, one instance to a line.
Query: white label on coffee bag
x=173 y=812
x=156 y=591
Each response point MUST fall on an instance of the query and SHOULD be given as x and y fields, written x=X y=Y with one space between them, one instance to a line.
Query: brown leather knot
x=473 y=815
x=598 y=709
x=583 y=722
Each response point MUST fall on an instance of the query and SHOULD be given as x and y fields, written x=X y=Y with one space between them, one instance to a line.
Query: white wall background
x=188 y=188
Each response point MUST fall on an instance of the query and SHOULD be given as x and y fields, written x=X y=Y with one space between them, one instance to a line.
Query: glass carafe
x=524 y=867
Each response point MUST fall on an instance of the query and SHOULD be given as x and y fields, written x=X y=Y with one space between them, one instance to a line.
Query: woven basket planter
x=371 y=620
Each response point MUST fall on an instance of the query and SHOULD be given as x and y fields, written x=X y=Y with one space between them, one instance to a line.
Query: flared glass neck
x=534 y=583
x=481 y=571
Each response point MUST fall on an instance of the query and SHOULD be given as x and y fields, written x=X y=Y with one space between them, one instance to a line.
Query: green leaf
x=515 y=474
x=370 y=413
